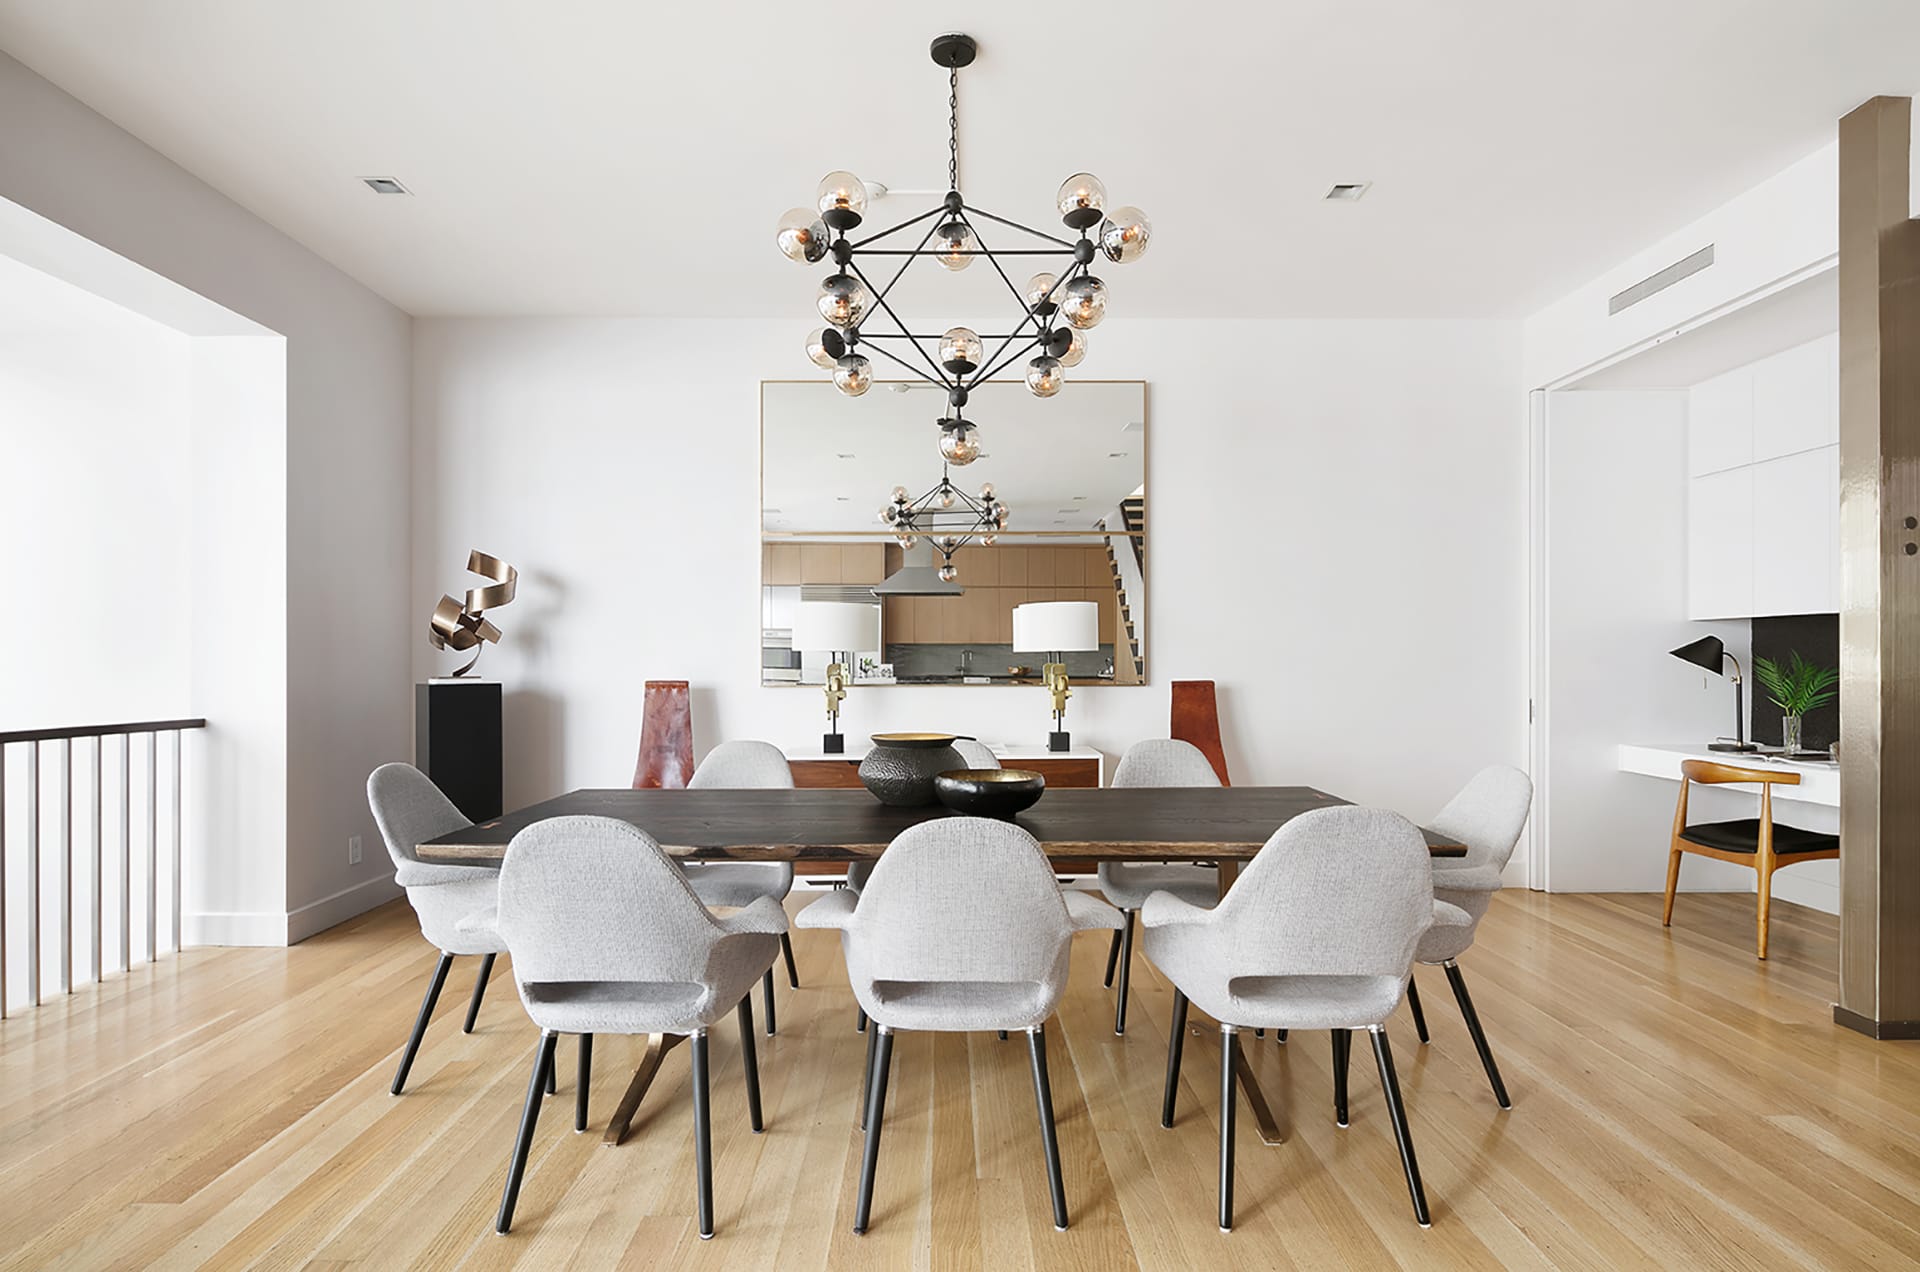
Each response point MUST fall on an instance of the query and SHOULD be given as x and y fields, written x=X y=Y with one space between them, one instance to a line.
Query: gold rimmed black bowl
x=989 y=792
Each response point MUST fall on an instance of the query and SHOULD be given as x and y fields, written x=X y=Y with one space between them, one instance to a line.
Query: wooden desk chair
x=1758 y=844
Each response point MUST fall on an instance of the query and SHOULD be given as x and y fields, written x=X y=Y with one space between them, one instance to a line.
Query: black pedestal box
x=456 y=742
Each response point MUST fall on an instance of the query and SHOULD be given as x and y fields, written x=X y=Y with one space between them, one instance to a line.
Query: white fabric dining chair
x=962 y=927
x=1319 y=932
x=1156 y=762
x=740 y=766
x=409 y=809
x=975 y=755
x=1487 y=816
x=608 y=938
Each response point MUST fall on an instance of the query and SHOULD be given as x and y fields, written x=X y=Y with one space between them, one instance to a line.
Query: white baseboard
x=318 y=916
x=229 y=927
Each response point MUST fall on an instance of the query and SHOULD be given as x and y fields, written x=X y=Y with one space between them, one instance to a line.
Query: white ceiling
x=828 y=462
x=603 y=156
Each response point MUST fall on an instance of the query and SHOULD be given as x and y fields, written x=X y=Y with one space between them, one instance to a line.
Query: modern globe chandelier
x=1055 y=307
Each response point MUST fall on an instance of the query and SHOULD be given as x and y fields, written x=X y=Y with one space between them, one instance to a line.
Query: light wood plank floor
x=1675 y=1104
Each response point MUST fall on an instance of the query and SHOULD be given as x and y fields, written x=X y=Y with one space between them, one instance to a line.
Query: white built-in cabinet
x=1763 y=487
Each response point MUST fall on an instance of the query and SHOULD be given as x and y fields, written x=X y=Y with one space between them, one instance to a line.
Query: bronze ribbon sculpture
x=461 y=627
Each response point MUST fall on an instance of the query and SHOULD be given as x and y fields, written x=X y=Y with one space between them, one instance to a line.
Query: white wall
x=1616 y=603
x=1338 y=514
x=343 y=624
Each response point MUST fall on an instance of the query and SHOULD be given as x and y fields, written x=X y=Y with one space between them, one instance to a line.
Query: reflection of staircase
x=1129 y=668
x=1134 y=509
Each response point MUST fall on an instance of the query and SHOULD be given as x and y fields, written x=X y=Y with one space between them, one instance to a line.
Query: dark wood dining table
x=1221 y=825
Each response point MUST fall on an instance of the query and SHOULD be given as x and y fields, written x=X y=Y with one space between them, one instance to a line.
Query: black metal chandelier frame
x=1037 y=325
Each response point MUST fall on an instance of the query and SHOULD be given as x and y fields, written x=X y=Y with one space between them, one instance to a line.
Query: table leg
x=1272 y=1129
x=657 y=1047
x=1229 y=871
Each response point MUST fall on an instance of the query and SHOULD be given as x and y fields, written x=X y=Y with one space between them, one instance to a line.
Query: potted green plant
x=1796 y=689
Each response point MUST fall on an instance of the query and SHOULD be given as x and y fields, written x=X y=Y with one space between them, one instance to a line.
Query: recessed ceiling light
x=843 y=498
x=1349 y=191
x=1079 y=496
x=772 y=510
x=843 y=454
x=385 y=185
x=1117 y=454
x=1066 y=510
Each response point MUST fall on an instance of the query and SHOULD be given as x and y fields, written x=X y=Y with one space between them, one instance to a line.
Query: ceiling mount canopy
x=1054 y=307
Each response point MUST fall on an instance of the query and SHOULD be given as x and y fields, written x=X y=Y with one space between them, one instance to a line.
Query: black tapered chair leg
x=1126 y=973
x=1113 y=959
x=1342 y=1050
x=1397 y=1112
x=1043 y=1097
x=860 y=1020
x=586 y=1077
x=553 y=1083
x=523 y=1143
x=702 y=1134
x=1472 y=1017
x=420 y=1021
x=1003 y=1035
x=1229 y=1101
x=479 y=992
x=866 y=1074
x=1419 y=1016
x=786 y=949
x=766 y=994
x=876 y=1110
x=751 y=1059
x=1176 y=1042
x=1280 y=1036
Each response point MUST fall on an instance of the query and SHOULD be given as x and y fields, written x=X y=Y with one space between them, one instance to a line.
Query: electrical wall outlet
x=353 y=850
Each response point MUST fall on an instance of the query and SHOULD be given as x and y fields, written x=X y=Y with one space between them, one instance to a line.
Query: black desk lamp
x=1710 y=653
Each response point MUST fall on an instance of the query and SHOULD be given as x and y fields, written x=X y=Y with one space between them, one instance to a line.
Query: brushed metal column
x=1880 y=575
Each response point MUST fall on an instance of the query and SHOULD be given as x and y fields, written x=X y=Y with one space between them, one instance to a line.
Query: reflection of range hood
x=918 y=575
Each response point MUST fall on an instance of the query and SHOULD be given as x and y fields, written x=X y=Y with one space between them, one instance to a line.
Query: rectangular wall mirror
x=1071 y=472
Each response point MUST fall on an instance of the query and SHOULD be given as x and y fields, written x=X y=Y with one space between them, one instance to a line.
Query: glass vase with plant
x=1796 y=689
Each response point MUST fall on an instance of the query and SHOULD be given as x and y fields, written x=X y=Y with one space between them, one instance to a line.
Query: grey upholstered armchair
x=1319 y=932
x=1155 y=762
x=607 y=937
x=1487 y=816
x=409 y=809
x=739 y=766
x=961 y=927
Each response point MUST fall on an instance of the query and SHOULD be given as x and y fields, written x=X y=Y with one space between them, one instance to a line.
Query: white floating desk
x=1819 y=780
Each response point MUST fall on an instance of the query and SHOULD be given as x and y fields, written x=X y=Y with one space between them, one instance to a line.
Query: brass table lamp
x=1053 y=628
x=841 y=630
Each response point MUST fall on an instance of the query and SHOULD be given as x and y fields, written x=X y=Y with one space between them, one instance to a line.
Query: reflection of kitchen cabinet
x=819 y=563
x=780 y=564
x=1040 y=571
x=896 y=613
x=996 y=580
x=1013 y=567
x=862 y=563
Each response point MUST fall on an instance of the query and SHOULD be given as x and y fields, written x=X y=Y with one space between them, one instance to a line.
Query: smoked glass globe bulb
x=960 y=350
x=844 y=191
x=1076 y=350
x=1044 y=376
x=954 y=243
x=802 y=236
x=1080 y=194
x=986 y=490
x=899 y=494
x=1040 y=290
x=948 y=574
x=960 y=446
x=1124 y=235
x=817 y=351
x=853 y=375
x=843 y=300
x=1084 y=302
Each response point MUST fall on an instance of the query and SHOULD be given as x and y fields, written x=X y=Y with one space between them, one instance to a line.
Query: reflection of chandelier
x=1055 y=307
x=947 y=517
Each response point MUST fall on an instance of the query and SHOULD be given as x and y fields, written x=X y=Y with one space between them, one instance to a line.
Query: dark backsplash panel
x=1816 y=637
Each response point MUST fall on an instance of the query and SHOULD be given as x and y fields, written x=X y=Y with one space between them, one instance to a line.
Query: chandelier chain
x=953 y=128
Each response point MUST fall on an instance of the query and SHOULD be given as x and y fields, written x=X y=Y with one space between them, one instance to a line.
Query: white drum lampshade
x=836 y=627
x=1042 y=627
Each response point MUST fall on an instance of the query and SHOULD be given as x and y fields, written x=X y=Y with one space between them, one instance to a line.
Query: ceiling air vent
x=1685 y=267
x=385 y=185
x=1349 y=191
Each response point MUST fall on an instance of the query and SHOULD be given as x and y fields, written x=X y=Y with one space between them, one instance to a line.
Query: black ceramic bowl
x=989 y=792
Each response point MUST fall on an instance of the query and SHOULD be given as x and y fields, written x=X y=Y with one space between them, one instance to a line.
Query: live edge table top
x=1107 y=824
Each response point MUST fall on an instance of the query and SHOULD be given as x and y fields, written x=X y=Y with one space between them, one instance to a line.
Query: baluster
x=98 y=969
x=126 y=852
x=153 y=845
x=178 y=943
x=66 y=866
x=33 y=874
x=3 y=880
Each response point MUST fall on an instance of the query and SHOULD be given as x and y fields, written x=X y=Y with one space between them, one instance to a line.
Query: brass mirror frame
x=1146 y=494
